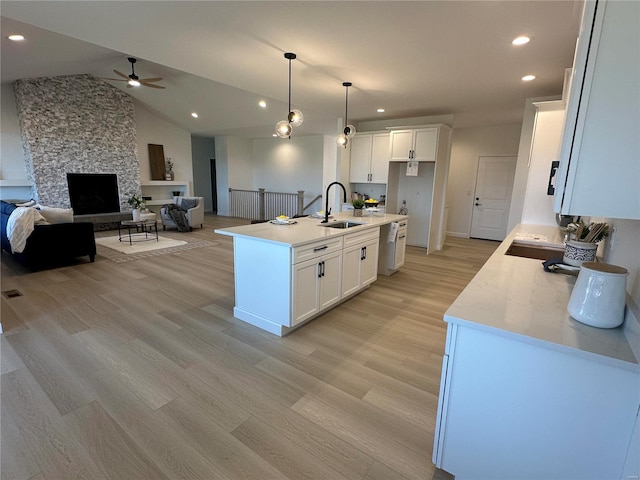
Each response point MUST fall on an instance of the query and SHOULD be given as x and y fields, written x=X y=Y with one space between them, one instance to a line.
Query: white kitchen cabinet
x=599 y=163
x=359 y=260
x=424 y=195
x=413 y=144
x=369 y=158
x=316 y=286
x=515 y=409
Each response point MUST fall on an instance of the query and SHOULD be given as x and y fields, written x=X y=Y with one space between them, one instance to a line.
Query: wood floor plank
x=319 y=442
x=65 y=391
x=109 y=446
x=157 y=379
x=17 y=461
x=283 y=454
x=235 y=459
x=370 y=439
x=56 y=450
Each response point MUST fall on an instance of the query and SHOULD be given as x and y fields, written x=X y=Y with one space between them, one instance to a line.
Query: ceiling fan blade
x=126 y=77
x=148 y=80
x=113 y=79
x=152 y=85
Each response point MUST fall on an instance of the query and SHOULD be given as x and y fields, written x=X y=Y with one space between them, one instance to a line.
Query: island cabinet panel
x=512 y=409
x=359 y=260
x=262 y=281
x=316 y=286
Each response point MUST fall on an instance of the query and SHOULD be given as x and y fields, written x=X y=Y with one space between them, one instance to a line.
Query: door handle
x=319 y=269
x=551 y=188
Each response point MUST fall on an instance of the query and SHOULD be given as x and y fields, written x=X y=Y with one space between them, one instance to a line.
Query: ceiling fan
x=133 y=80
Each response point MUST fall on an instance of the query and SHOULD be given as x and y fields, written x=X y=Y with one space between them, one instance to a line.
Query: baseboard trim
x=458 y=234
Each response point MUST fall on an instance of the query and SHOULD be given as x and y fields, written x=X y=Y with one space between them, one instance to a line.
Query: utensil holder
x=576 y=253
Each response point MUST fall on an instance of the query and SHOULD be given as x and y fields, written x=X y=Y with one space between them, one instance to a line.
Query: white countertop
x=307 y=229
x=514 y=296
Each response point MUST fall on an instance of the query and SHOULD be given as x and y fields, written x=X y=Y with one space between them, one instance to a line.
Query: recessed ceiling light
x=16 y=37
x=262 y=104
x=528 y=78
x=194 y=114
x=521 y=40
x=380 y=110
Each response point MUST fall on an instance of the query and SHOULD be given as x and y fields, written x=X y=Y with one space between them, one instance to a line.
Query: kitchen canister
x=576 y=252
x=598 y=296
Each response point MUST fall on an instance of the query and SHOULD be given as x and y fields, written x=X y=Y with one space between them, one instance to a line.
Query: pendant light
x=295 y=117
x=349 y=131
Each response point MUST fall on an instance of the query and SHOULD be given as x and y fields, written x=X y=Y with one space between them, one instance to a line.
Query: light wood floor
x=139 y=371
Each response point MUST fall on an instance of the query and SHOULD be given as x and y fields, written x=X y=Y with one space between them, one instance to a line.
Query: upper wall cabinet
x=415 y=144
x=599 y=171
x=369 y=158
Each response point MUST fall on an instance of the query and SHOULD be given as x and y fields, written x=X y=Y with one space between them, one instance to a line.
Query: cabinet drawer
x=361 y=237
x=316 y=249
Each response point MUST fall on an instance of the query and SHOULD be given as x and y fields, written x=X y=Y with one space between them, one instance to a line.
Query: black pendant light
x=349 y=131
x=295 y=117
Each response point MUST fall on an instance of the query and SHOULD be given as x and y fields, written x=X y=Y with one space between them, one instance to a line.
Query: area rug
x=122 y=252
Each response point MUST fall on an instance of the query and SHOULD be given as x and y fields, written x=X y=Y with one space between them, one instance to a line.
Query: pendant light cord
x=289 y=91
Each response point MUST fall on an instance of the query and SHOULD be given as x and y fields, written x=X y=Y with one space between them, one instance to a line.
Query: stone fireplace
x=76 y=125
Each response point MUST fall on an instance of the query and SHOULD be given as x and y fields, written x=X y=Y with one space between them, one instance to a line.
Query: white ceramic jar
x=598 y=296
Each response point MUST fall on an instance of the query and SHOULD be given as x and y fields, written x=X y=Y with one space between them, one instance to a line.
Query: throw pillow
x=57 y=215
x=188 y=203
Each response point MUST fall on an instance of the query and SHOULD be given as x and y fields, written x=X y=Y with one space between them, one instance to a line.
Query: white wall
x=175 y=140
x=538 y=206
x=234 y=168
x=468 y=145
x=289 y=165
x=625 y=252
x=522 y=169
x=12 y=165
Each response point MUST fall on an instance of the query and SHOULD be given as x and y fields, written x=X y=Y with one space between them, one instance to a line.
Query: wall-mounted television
x=91 y=193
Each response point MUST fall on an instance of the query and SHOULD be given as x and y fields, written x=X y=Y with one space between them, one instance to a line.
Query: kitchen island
x=528 y=392
x=287 y=274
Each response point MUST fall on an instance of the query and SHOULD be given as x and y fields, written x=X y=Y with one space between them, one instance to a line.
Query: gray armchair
x=195 y=214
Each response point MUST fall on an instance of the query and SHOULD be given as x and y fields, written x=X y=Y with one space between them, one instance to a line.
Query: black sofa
x=51 y=245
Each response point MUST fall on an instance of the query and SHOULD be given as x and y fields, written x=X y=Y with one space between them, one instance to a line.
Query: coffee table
x=138 y=230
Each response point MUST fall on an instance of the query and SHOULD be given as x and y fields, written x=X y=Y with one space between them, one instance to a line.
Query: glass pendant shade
x=350 y=131
x=296 y=118
x=283 y=129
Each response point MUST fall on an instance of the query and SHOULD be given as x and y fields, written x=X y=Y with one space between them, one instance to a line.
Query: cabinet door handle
x=551 y=187
x=319 y=249
x=323 y=268
x=403 y=236
x=363 y=253
x=403 y=224
x=319 y=269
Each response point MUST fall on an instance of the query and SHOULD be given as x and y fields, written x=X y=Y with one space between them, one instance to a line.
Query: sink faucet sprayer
x=326 y=204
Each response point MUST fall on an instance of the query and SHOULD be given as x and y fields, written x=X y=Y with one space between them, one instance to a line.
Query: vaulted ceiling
x=220 y=58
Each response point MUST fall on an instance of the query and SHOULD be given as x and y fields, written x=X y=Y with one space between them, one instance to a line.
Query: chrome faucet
x=327 y=211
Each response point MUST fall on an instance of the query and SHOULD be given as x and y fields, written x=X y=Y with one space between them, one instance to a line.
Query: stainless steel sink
x=540 y=252
x=343 y=224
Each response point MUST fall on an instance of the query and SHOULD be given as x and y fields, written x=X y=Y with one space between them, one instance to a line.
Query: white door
x=493 y=197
